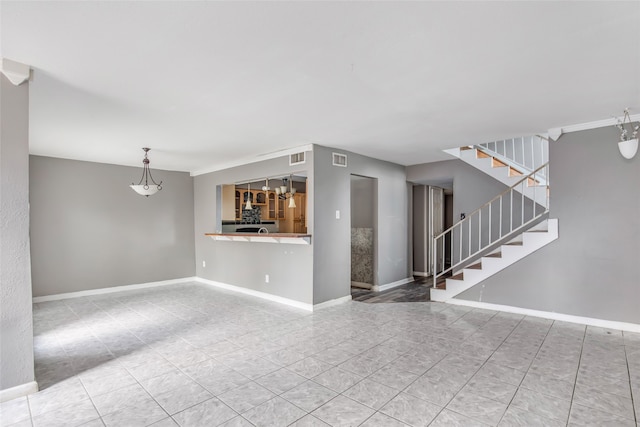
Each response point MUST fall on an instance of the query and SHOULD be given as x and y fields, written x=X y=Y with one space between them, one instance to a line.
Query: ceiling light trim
x=248 y=160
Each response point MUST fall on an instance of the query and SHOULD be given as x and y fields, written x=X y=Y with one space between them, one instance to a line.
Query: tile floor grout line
x=485 y=362
x=575 y=382
x=452 y=332
x=626 y=358
x=529 y=367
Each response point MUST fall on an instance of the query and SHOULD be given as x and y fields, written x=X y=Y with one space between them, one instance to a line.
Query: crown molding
x=16 y=72
x=556 y=133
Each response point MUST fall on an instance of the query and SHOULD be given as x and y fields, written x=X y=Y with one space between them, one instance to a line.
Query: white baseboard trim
x=395 y=284
x=421 y=273
x=332 y=302
x=608 y=324
x=101 y=291
x=263 y=295
x=18 y=391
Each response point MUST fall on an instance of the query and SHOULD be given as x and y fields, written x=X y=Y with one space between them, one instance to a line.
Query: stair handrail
x=521 y=165
x=535 y=176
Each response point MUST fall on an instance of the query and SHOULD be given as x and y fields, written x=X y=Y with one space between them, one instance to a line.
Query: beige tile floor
x=191 y=355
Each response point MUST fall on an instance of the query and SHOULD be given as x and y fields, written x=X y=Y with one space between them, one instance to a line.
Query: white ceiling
x=205 y=84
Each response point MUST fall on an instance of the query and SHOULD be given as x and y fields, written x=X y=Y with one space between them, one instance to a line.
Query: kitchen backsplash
x=251 y=216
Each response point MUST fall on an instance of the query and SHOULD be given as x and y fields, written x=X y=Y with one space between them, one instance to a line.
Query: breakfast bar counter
x=290 y=238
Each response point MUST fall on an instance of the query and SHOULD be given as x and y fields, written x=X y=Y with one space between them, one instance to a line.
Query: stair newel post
x=547 y=188
x=434 y=268
x=511 y=211
x=490 y=220
x=444 y=255
x=522 y=201
x=479 y=230
x=460 y=245
x=500 y=222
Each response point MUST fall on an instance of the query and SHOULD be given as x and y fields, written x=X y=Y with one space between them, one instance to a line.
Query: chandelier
x=284 y=193
x=143 y=187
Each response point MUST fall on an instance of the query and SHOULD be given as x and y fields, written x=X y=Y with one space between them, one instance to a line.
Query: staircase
x=508 y=253
x=509 y=160
x=507 y=228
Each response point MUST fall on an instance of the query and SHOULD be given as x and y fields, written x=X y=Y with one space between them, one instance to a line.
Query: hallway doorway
x=363 y=231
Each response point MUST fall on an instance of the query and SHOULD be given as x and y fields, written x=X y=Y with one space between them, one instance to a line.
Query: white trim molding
x=380 y=288
x=556 y=133
x=608 y=324
x=263 y=295
x=18 y=391
x=421 y=273
x=332 y=302
x=255 y=159
x=16 y=72
x=101 y=291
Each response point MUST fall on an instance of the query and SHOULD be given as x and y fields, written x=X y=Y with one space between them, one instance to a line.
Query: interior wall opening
x=363 y=231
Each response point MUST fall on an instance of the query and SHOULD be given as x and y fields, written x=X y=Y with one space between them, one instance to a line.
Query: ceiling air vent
x=296 y=158
x=339 y=160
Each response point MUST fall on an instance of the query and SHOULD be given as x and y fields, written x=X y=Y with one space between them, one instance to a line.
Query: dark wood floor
x=415 y=291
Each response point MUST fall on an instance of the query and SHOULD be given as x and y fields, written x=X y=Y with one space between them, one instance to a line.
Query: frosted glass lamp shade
x=628 y=148
x=145 y=190
x=292 y=203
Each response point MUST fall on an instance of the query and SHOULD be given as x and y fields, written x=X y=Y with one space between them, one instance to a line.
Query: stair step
x=495 y=163
x=496 y=255
x=466 y=147
x=533 y=182
x=481 y=155
x=459 y=276
x=537 y=231
x=514 y=172
x=513 y=244
x=477 y=266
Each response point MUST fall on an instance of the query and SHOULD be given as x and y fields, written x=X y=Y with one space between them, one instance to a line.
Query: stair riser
x=490 y=266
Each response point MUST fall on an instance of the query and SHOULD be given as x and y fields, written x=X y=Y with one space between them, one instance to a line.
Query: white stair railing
x=498 y=220
x=525 y=154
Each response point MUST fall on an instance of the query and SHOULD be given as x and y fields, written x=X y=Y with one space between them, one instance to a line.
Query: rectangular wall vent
x=339 y=160
x=296 y=158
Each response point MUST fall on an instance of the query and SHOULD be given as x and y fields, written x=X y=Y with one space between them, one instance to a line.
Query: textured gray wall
x=592 y=269
x=16 y=328
x=245 y=264
x=332 y=248
x=89 y=230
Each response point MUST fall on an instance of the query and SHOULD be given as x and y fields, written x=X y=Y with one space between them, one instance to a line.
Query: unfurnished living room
x=310 y=213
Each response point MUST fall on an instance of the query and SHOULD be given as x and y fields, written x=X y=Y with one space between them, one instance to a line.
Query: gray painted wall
x=245 y=264
x=362 y=202
x=16 y=327
x=89 y=230
x=471 y=189
x=331 y=266
x=591 y=270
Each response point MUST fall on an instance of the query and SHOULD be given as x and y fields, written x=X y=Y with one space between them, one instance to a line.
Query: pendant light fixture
x=248 y=206
x=628 y=145
x=143 y=187
x=283 y=194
